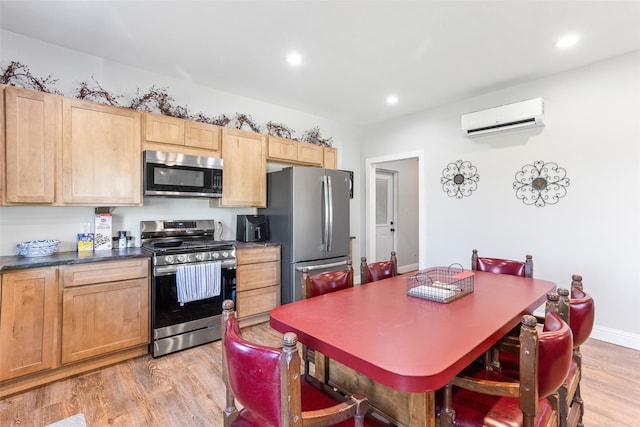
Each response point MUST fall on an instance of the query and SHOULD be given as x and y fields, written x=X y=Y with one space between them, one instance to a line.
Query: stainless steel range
x=192 y=275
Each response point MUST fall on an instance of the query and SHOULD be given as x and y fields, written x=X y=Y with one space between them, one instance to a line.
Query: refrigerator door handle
x=325 y=219
x=316 y=267
x=330 y=219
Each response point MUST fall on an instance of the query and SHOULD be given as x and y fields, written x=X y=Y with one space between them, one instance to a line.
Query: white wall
x=71 y=67
x=593 y=131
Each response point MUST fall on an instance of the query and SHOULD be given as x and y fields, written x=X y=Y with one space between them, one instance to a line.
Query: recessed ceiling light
x=392 y=99
x=294 y=58
x=567 y=41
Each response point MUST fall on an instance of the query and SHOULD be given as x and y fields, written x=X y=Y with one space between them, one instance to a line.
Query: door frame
x=370 y=203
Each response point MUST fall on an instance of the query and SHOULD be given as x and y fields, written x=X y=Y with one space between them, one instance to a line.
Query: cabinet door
x=244 y=176
x=203 y=135
x=282 y=149
x=101 y=156
x=32 y=137
x=28 y=321
x=165 y=129
x=330 y=158
x=102 y=318
x=310 y=154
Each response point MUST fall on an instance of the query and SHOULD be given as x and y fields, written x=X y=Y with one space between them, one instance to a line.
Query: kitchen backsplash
x=21 y=223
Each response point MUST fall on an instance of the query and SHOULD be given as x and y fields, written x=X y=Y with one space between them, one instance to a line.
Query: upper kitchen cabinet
x=244 y=174
x=101 y=154
x=32 y=137
x=330 y=158
x=290 y=151
x=164 y=133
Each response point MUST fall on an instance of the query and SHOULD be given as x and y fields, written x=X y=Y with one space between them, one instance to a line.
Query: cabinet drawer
x=254 y=276
x=86 y=274
x=255 y=255
x=257 y=301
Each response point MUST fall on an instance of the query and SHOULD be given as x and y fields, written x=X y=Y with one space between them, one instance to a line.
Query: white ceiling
x=355 y=53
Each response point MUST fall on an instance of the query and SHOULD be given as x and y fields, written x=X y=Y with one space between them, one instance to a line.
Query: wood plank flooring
x=185 y=389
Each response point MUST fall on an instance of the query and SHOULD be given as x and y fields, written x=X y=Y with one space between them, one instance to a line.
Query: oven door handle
x=166 y=270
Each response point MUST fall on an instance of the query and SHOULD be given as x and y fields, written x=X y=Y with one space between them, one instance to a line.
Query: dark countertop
x=61 y=258
x=17 y=262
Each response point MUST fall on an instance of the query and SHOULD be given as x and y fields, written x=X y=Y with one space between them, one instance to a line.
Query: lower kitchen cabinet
x=28 y=321
x=105 y=308
x=61 y=321
x=257 y=283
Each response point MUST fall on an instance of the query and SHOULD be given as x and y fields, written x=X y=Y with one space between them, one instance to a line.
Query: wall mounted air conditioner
x=520 y=115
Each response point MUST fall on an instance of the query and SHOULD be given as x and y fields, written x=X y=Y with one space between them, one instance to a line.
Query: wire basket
x=441 y=284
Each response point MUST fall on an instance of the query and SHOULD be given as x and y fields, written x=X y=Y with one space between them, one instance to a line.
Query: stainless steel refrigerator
x=308 y=210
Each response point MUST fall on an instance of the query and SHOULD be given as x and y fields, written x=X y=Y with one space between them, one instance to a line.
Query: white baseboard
x=615 y=336
x=407 y=268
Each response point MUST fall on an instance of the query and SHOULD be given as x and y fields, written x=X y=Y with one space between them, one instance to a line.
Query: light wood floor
x=185 y=389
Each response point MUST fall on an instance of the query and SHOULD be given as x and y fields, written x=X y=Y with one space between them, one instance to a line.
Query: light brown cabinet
x=32 y=128
x=29 y=318
x=244 y=175
x=164 y=133
x=105 y=308
x=257 y=283
x=290 y=151
x=330 y=158
x=61 y=321
x=101 y=154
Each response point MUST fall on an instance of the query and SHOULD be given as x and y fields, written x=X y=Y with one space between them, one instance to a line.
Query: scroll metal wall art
x=459 y=179
x=541 y=183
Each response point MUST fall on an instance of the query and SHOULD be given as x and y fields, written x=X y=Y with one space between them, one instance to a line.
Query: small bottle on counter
x=122 y=239
x=131 y=242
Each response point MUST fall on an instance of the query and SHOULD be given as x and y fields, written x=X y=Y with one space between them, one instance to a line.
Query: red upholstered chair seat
x=477 y=409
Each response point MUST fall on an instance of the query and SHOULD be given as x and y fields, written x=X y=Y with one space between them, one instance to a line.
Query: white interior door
x=385 y=214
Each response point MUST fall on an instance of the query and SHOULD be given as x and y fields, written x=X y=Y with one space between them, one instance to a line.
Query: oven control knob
x=199 y=257
x=182 y=258
x=215 y=255
x=169 y=259
x=225 y=254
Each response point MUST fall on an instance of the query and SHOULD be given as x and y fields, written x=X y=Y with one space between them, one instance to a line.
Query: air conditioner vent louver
x=520 y=115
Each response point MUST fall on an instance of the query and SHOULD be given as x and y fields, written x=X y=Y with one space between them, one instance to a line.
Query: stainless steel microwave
x=181 y=175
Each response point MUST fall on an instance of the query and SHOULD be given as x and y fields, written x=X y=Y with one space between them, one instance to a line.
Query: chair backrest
x=324 y=283
x=266 y=382
x=378 y=270
x=581 y=315
x=502 y=266
x=555 y=349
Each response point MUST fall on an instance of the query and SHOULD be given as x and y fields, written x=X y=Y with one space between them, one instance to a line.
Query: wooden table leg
x=422 y=408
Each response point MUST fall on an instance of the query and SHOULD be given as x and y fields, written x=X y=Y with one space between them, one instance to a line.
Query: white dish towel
x=198 y=281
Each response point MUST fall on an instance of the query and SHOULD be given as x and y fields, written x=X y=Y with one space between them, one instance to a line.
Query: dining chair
x=266 y=382
x=577 y=308
x=316 y=285
x=481 y=396
x=502 y=266
x=378 y=270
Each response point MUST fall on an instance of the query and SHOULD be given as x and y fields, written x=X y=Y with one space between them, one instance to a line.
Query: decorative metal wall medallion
x=459 y=179
x=541 y=183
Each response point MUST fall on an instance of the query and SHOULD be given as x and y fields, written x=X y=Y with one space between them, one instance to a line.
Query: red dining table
x=405 y=344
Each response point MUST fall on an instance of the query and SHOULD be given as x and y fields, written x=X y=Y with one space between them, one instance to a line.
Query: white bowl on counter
x=33 y=248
